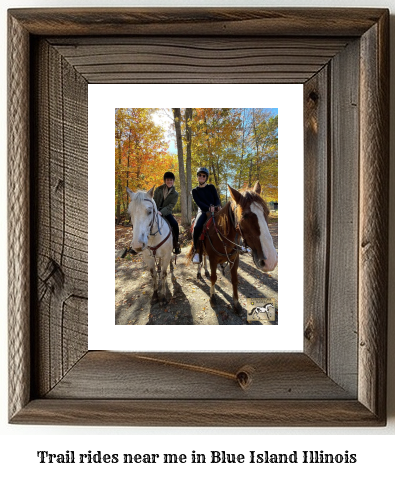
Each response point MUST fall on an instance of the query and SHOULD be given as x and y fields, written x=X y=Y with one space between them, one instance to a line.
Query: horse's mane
x=140 y=196
x=222 y=218
x=249 y=196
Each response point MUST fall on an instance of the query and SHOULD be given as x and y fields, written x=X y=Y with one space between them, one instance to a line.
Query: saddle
x=206 y=227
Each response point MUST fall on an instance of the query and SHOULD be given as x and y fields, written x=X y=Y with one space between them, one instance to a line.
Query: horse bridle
x=236 y=224
x=153 y=218
x=154 y=249
x=238 y=227
x=221 y=235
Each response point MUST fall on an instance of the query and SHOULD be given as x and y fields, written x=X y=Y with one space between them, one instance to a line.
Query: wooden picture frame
x=342 y=58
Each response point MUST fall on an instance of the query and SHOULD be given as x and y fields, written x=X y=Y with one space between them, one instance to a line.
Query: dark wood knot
x=313 y=96
x=244 y=376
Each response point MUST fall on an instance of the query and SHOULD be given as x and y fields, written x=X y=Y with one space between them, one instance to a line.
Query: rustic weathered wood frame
x=342 y=57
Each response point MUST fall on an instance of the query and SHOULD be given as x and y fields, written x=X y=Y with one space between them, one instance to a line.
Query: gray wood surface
x=18 y=218
x=343 y=223
x=373 y=227
x=259 y=22
x=204 y=375
x=61 y=228
x=199 y=413
x=340 y=377
x=316 y=215
x=183 y=60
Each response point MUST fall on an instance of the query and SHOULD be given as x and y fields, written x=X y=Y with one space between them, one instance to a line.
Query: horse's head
x=142 y=210
x=251 y=215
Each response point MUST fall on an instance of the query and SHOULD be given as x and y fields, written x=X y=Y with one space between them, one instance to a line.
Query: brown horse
x=244 y=218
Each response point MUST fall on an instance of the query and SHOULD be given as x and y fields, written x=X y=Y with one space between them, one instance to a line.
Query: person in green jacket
x=165 y=198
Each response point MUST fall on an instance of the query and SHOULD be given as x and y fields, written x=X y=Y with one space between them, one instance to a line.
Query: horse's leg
x=163 y=292
x=213 y=267
x=233 y=274
x=165 y=261
x=223 y=267
x=152 y=268
x=199 y=275
x=207 y=273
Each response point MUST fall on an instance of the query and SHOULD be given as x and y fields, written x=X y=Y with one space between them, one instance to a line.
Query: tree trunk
x=128 y=164
x=188 y=136
x=183 y=185
x=256 y=144
x=241 y=170
x=119 y=182
x=213 y=172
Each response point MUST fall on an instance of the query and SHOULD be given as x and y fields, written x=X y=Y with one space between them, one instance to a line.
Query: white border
x=103 y=333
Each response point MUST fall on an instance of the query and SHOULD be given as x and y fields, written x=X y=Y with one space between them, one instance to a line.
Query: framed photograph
x=144 y=146
x=340 y=59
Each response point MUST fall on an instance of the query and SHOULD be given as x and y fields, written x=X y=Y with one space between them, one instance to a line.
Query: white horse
x=152 y=236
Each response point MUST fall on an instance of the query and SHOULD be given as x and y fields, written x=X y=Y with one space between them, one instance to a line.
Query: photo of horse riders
x=222 y=215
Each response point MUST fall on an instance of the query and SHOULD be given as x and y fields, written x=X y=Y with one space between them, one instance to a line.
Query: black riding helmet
x=169 y=175
x=202 y=170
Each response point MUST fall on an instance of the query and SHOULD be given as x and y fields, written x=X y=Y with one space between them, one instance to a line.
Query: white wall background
x=20 y=443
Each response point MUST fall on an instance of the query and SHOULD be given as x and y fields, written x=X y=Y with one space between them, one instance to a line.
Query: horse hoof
x=154 y=298
x=207 y=274
x=199 y=275
x=213 y=300
x=238 y=309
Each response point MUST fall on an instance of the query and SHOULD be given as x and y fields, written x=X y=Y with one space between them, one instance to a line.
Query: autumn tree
x=188 y=141
x=238 y=146
x=180 y=153
x=119 y=137
x=141 y=153
x=214 y=141
x=264 y=137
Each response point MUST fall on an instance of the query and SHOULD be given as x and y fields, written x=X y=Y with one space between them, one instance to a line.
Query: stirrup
x=196 y=258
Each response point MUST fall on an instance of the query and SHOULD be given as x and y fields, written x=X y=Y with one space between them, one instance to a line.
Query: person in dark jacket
x=206 y=198
x=165 y=198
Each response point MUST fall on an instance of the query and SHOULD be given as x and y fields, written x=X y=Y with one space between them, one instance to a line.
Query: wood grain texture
x=61 y=228
x=204 y=375
x=213 y=60
x=347 y=225
x=18 y=214
x=344 y=210
x=199 y=21
x=316 y=214
x=201 y=413
x=373 y=228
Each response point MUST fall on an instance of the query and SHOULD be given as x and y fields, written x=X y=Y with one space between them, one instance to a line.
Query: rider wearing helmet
x=165 y=198
x=206 y=198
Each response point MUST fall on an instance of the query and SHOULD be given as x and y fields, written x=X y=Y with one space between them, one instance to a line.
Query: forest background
x=237 y=145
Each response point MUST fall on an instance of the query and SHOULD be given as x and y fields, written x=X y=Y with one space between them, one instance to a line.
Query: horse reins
x=237 y=229
x=153 y=219
x=220 y=235
x=154 y=249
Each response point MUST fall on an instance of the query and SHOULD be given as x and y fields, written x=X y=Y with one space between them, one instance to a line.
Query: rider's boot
x=176 y=244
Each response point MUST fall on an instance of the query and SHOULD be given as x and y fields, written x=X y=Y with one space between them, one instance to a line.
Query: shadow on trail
x=164 y=315
x=270 y=282
x=244 y=286
x=224 y=308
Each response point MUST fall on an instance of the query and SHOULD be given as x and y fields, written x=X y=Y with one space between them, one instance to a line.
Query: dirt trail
x=188 y=296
